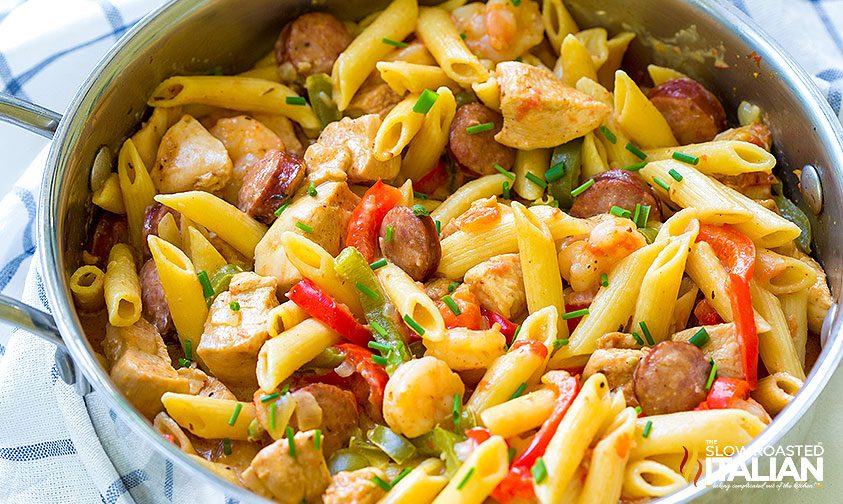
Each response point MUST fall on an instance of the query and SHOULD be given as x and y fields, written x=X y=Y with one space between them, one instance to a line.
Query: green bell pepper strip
x=396 y=446
x=794 y=214
x=437 y=443
x=347 y=459
x=320 y=94
x=570 y=154
x=222 y=278
x=329 y=358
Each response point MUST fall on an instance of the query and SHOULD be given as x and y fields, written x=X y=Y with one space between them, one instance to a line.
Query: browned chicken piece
x=435 y=288
x=190 y=158
x=756 y=185
x=147 y=138
x=345 y=150
x=207 y=386
x=374 y=97
x=355 y=487
x=284 y=129
x=722 y=346
x=753 y=407
x=819 y=296
x=247 y=141
x=539 y=111
x=276 y=474
x=499 y=285
x=618 y=365
x=617 y=340
x=755 y=133
x=327 y=214
x=140 y=366
x=232 y=339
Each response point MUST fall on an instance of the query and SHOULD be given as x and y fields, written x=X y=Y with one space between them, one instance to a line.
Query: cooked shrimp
x=498 y=30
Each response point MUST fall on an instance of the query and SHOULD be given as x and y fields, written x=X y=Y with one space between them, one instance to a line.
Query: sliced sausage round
x=615 y=188
x=478 y=152
x=694 y=114
x=312 y=43
x=339 y=415
x=412 y=244
x=151 y=218
x=155 y=307
x=110 y=230
x=269 y=183
x=671 y=377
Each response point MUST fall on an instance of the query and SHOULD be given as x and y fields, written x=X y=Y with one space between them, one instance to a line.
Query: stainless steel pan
x=197 y=35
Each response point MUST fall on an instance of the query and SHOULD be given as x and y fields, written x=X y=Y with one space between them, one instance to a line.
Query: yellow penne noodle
x=87 y=284
x=246 y=94
x=203 y=255
x=723 y=157
x=593 y=154
x=775 y=391
x=795 y=308
x=462 y=198
x=268 y=73
x=595 y=90
x=541 y=326
x=519 y=415
x=122 y=287
x=284 y=317
x=411 y=301
x=574 y=62
x=109 y=196
x=437 y=31
x=148 y=138
x=399 y=127
x=418 y=487
x=595 y=40
x=639 y=118
x=227 y=221
x=781 y=274
x=608 y=461
x=534 y=162
x=137 y=188
x=182 y=290
x=648 y=478
x=209 y=418
x=403 y=77
x=280 y=357
x=776 y=346
x=427 y=146
x=359 y=59
x=659 y=74
x=168 y=230
x=488 y=465
x=166 y=426
x=504 y=377
x=267 y=60
x=558 y=22
x=616 y=46
x=488 y=92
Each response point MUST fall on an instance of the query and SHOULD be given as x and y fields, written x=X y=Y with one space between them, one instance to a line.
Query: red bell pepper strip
x=434 y=179
x=737 y=254
x=469 y=306
x=319 y=305
x=374 y=374
x=724 y=393
x=507 y=328
x=706 y=315
x=572 y=307
x=478 y=435
x=366 y=219
x=518 y=483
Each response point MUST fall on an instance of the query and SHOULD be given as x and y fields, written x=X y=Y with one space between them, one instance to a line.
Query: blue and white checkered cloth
x=56 y=446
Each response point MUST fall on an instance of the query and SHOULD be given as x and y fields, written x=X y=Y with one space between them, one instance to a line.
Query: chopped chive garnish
x=539 y=471
x=367 y=291
x=559 y=343
x=637 y=213
x=378 y=328
x=414 y=325
x=205 y=282
x=304 y=227
x=712 y=374
x=421 y=196
x=517 y=330
x=450 y=303
x=456 y=410
x=637 y=338
x=643 y=216
x=281 y=209
x=465 y=479
x=381 y=483
x=463 y=36
x=317 y=439
x=520 y=390
x=604 y=279
x=620 y=212
x=295 y=100
x=555 y=172
x=699 y=338
x=506 y=194
x=269 y=397
x=376 y=345
x=235 y=414
x=574 y=314
x=509 y=175
x=438 y=225
x=510 y=452
x=380 y=263
x=400 y=476
x=675 y=174
x=686 y=158
x=226 y=446
x=235 y=306
x=286 y=388
x=636 y=151
x=389 y=232
x=636 y=166
x=516 y=3
x=608 y=134
x=272 y=415
x=395 y=43
x=184 y=362
x=661 y=183
x=291 y=443
x=646 y=331
x=425 y=101
x=480 y=128
x=188 y=349
x=311 y=190
x=420 y=211
x=380 y=361
x=638 y=410
x=581 y=189
x=532 y=177
x=453 y=286
x=647 y=428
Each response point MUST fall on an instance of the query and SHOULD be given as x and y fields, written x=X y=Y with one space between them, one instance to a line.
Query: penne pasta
x=122 y=287
x=87 y=284
x=429 y=143
x=200 y=251
x=437 y=31
x=411 y=301
x=723 y=157
x=109 y=196
x=639 y=118
x=137 y=188
x=519 y=415
x=461 y=200
x=209 y=418
x=403 y=77
x=533 y=162
x=775 y=391
x=284 y=317
x=279 y=357
x=397 y=129
x=487 y=465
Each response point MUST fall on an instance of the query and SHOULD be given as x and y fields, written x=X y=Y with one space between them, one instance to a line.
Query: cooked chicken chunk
x=819 y=296
x=374 y=97
x=327 y=214
x=207 y=386
x=232 y=339
x=345 y=150
x=618 y=365
x=276 y=474
x=499 y=285
x=355 y=487
x=190 y=158
x=284 y=129
x=540 y=111
x=722 y=346
x=247 y=140
x=140 y=366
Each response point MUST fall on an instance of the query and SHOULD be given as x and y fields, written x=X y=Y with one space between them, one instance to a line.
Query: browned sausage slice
x=312 y=43
x=110 y=230
x=478 y=153
x=414 y=243
x=155 y=307
x=339 y=414
x=671 y=377
x=269 y=183
x=151 y=218
x=694 y=114
x=615 y=188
